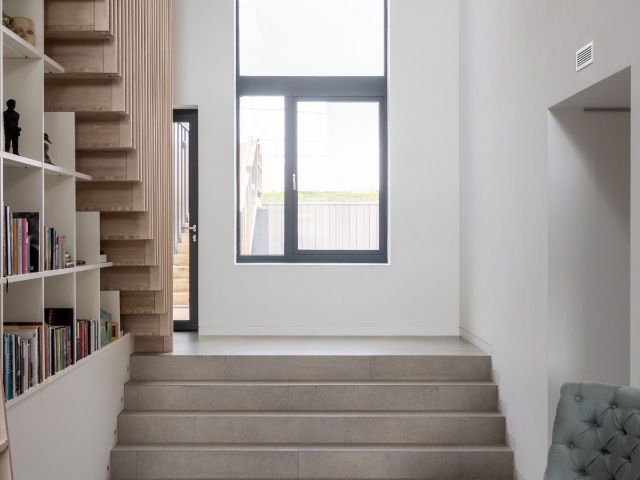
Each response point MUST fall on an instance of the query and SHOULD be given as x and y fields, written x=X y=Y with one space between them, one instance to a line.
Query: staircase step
x=63 y=94
x=88 y=19
x=181 y=260
x=140 y=303
x=128 y=253
x=180 y=298
x=311 y=461
x=310 y=427
x=109 y=166
x=110 y=197
x=311 y=396
x=94 y=132
x=180 y=272
x=125 y=226
x=146 y=324
x=311 y=367
x=84 y=55
x=130 y=279
x=180 y=285
x=183 y=247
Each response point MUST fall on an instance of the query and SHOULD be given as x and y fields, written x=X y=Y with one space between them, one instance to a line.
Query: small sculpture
x=47 y=159
x=25 y=28
x=7 y=20
x=11 y=128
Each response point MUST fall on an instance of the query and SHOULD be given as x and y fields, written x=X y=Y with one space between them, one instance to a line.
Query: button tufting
x=578 y=398
x=571 y=445
x=613 y=405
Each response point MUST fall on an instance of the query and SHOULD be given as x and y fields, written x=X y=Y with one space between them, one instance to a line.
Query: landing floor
x=192 y=344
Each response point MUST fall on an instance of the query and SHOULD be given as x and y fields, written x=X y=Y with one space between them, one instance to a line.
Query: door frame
x=191 y=116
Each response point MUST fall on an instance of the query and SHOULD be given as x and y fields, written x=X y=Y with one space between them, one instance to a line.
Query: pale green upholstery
x=596 y=433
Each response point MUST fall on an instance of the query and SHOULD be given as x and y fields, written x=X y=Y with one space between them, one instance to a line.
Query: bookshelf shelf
x=16 y=48
x=11 y=160
x=54 y=170
x=21 y=278
x=94 y=266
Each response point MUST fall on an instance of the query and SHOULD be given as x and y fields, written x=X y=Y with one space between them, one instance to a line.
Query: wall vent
x=584 y=56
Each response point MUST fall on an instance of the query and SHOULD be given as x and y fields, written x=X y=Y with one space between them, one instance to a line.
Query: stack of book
x=87 y=341
x=24 y=357
x=55 y=255
x=60 y=323
x=20 y=242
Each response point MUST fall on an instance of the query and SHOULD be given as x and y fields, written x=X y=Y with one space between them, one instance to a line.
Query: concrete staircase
x=310 y=417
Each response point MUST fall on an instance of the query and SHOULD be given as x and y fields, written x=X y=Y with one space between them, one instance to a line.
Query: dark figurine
x=11 y=128
x=47 y=159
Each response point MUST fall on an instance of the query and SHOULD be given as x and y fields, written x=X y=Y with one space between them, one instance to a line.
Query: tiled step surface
x=311 y=462
x=310 y=396
x=311 y=427
x=311 y=417
x=311 y=367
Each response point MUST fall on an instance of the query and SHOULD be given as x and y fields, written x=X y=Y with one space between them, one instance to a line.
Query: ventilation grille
x=584 y=56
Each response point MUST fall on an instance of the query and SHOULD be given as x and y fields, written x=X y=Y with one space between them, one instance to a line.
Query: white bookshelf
x=28 y=184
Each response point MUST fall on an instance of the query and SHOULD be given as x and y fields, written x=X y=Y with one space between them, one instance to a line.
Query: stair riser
x=311 y=397
x=138 y=429
x=181 y=273
x=180 y=299
x=309 y=367
x=181 y=260
x=203 y=464
x=180 y=286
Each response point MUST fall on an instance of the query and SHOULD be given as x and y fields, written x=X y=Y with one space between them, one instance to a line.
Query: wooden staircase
x=117 y=80
x=181 y=274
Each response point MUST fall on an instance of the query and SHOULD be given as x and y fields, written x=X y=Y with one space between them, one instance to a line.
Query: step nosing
x=214 y=447
x=313 y=413
x=244 y=383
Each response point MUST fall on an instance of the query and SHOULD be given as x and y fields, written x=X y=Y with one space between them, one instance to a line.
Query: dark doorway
x=185 y=204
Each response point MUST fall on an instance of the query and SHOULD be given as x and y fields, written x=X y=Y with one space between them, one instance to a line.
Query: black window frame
x=305 y=88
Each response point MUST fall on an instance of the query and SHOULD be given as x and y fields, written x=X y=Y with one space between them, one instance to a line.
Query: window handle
x=294 y=182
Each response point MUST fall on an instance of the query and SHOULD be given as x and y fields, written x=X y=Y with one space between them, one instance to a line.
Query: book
x=30 y=335
x=14 y=246
x=19 y=246
x=8 y=241
x=64 y=347
x=33 y=241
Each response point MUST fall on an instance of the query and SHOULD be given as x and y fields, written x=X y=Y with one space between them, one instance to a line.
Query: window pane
x=338 y=175
x=311 y=37
x=261 y=175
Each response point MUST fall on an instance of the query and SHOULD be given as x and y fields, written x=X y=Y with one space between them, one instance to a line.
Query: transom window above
x=311 y=37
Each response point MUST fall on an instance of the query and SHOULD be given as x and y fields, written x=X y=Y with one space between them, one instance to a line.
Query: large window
x=312 y=171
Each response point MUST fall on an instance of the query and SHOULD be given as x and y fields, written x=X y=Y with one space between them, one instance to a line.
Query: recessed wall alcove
x=589 y=230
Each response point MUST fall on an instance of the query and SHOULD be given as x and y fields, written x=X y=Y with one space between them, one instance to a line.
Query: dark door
x=185 y=197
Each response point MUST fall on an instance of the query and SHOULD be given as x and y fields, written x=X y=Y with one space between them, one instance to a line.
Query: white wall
x=589 y=249
x=66 y=429
x=517 y=60
x=417 y=293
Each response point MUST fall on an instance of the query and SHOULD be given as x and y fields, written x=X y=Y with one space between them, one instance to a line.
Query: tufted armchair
x=596 y=433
